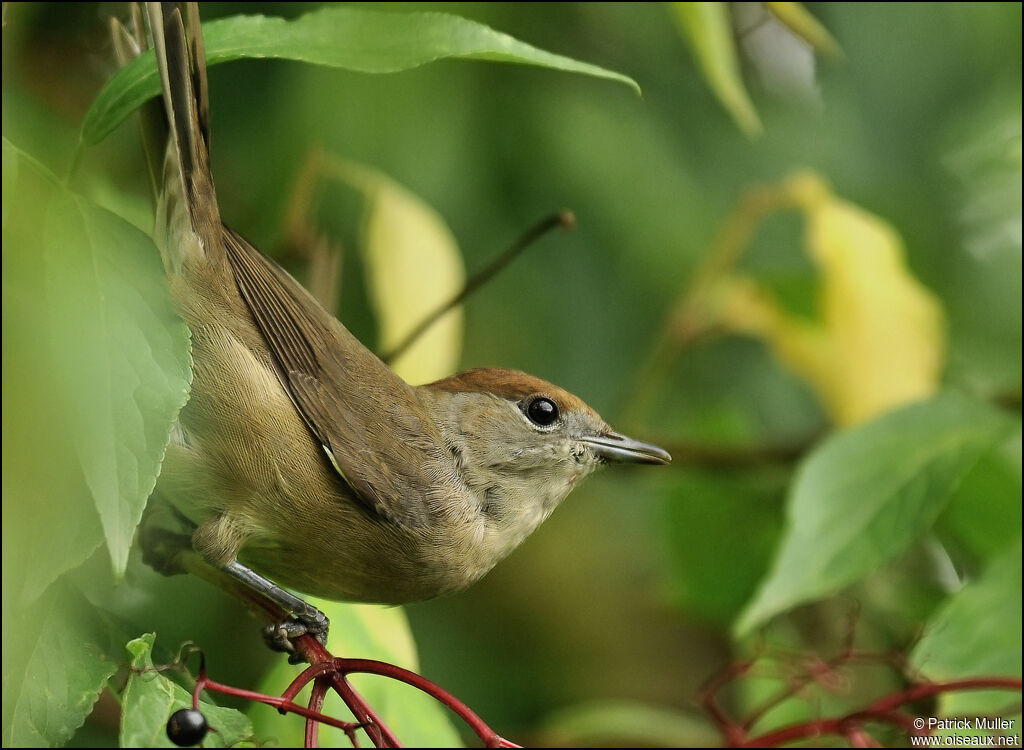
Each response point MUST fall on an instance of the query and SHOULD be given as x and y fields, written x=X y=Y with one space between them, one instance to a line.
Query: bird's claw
x=281 y=636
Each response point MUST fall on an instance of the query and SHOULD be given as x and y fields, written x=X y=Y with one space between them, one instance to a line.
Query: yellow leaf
x=879 y=338
x=706 y=28
x=413 y=267
x=803 y=345
x=799 y=20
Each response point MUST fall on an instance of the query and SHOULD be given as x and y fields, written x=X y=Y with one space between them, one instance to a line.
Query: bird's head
x=522 y=444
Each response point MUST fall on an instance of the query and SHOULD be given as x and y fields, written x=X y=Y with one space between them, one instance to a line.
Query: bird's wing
x=363 y=415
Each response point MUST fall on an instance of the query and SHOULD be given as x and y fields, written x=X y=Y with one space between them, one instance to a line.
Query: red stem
x=732 y=733
x=327 y=671
x=281 y=704
x=316 y=703
x=375 y=729
x=339 y=668
x=323 y=663
x=368 y=666
x=881 y=710
x=928 y=689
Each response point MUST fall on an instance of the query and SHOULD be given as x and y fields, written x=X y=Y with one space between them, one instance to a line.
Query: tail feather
x=130 y=42
x=176 y=134
x=195 y=41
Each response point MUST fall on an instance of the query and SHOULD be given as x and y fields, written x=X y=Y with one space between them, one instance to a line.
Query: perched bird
x=301 y=458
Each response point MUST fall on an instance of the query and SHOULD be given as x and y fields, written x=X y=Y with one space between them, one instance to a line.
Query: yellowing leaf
x=413 y=267
x=879 y=338
x=706 y=28
x=799 y=20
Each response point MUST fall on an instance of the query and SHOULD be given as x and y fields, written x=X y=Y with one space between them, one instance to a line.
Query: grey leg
x=306 y=617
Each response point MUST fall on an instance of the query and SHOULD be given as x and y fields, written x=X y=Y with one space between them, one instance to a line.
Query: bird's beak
x=614 y=447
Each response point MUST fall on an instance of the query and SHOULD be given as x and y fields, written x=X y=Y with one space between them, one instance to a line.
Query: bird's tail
x=176 y=133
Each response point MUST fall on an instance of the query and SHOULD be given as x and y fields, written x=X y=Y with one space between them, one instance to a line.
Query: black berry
x=186 y=727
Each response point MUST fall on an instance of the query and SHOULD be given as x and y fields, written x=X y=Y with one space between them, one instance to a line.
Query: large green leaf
x=370 y=632
x=149 y=699
x=49 y=527
x=865 y=494
x=351 y=38
x=984 y=516
x=110 y=349
x=977 y=634
x=57 y=657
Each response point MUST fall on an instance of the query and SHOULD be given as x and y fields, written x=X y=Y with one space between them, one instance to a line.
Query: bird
x=301 y=460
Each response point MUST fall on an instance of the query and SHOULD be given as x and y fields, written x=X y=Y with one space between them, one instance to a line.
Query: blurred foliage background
x=624 y=602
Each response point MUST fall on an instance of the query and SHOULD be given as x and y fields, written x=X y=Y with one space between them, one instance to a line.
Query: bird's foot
x=281 y=636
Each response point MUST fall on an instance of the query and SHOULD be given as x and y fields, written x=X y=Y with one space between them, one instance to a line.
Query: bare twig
x=565 y=220
x=885 y=710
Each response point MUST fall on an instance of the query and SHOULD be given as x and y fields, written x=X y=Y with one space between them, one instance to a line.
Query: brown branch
x=565 y=220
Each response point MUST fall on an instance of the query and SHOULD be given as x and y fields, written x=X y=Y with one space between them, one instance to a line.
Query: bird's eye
x=542 y=411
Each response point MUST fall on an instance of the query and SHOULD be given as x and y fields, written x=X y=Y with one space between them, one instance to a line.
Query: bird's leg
x=171 y=553
x=167 y=543
x=305 y=618
x=213 y=556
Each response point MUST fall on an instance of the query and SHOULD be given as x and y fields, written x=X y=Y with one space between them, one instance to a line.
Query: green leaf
x=350 y=38
x=865 y=494
x=57 y=657
x=149 y=699
x=49 y=527
x=126 y=352
x=706 y=27
x=108 y=343
x=984 y=516
x=977 y=633
x=371 y=632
